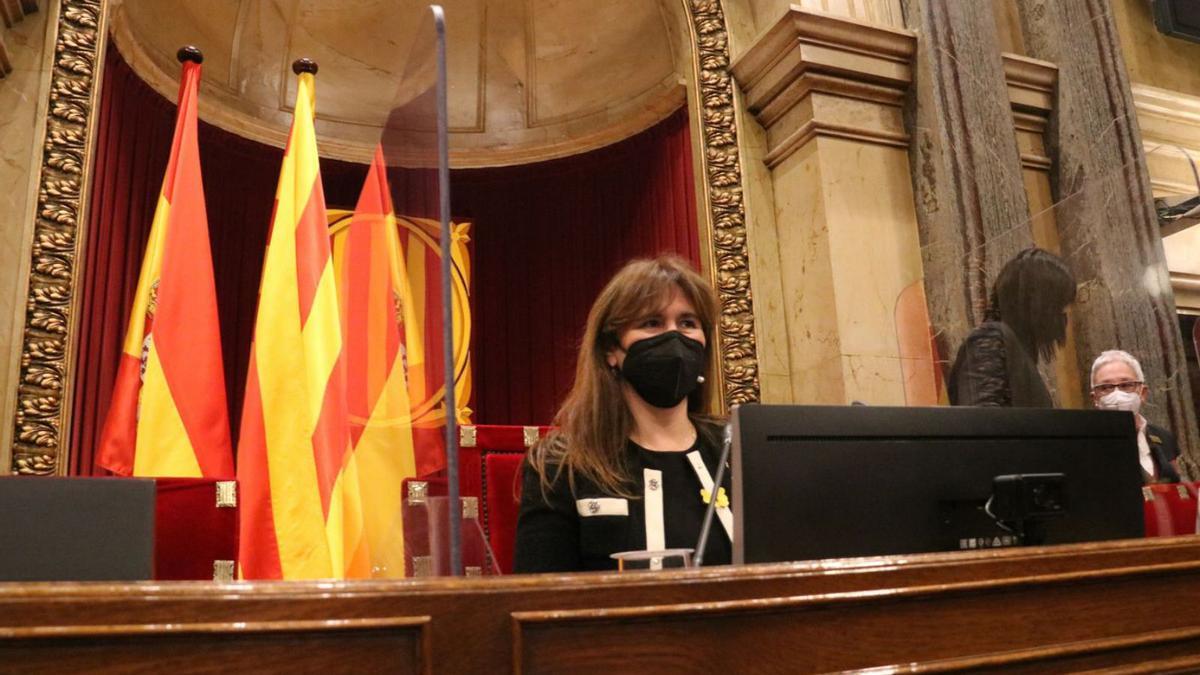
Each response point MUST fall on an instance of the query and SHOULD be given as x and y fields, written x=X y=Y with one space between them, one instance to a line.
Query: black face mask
x=664 y=369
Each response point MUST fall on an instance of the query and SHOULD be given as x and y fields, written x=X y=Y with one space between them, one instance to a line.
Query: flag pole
x=454 y=513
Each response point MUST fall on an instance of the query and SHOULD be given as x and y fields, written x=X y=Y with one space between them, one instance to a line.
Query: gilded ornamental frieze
x=40 y=416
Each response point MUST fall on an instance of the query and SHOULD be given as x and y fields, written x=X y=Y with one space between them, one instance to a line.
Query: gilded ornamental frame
x=49 y=326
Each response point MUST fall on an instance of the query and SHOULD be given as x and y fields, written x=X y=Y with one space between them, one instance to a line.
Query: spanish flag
x=300 y=510
x=168 y=414
x=377 y=319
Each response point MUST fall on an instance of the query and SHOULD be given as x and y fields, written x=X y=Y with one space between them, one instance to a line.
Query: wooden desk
x=1055 y=609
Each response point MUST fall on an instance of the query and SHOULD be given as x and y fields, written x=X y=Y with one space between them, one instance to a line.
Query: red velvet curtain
x=546 y=237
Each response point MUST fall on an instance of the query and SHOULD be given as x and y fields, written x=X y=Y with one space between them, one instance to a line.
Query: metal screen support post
x=454 y=513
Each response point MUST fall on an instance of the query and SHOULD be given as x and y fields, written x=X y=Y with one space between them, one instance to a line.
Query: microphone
x=726 y=444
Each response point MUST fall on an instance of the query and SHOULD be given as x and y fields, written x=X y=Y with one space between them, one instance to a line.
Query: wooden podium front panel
x=395 y=645
x=1054 y=609
x=951 y=627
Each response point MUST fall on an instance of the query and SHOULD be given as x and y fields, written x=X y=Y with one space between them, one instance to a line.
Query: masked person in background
x=997 y=365
x=1118 y=384
x=630 y=464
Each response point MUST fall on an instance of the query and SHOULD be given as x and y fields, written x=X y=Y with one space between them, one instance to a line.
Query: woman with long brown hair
x=630 y=464
x=997 y=364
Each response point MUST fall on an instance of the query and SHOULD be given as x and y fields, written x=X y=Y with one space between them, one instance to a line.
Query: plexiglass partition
x=920 y=316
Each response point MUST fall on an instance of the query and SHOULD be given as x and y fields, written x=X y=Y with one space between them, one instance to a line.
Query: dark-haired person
x=997 y=365
x=630 y=465
x=1118 y=384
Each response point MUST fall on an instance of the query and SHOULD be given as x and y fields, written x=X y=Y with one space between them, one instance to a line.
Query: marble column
x=828 y=93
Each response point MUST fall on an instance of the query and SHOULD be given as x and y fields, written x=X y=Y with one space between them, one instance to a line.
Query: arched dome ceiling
x=529 y=79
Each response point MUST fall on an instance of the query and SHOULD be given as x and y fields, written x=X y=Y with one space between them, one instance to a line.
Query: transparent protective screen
x=614 y=152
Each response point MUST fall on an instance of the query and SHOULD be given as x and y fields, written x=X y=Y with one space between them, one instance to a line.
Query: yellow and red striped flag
x=300 y=512
x=418 y=292
x=377 y=308
x=420 y=241
x=169 y=414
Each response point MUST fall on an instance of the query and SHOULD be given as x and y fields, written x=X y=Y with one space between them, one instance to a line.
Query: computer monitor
x=76 y=529
x=813 y=482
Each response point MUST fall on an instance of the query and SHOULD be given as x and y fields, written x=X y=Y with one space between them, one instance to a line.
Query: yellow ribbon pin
x=722 y=498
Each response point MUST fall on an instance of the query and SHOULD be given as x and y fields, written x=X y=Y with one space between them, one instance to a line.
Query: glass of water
x=664 y=559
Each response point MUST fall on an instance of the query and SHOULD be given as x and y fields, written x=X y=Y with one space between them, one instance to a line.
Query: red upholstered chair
x=489 y=461
x=503 y=504
x=426 y=549
x=195 y=529
x=1170 y=509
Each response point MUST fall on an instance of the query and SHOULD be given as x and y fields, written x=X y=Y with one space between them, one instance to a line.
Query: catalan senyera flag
x=168 y=415
x=418 y=293
x=300 y=512
x=420 y=241
x=391 y=323
x=375 y=297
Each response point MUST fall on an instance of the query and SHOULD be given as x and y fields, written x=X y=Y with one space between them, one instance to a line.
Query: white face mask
x=1120 y=400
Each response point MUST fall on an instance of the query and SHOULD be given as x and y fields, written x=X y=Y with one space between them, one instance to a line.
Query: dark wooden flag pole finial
x=190 y=53
x=304 y=66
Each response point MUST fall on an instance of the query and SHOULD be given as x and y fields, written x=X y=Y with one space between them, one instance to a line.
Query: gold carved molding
x=723 y=199
x=40 y=418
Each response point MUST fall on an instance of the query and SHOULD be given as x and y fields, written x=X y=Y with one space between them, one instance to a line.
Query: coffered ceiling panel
x=529 y=79
x=370 y=45
x=580 y=53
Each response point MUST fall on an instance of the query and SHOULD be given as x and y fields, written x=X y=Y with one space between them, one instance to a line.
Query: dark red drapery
x=546 y=237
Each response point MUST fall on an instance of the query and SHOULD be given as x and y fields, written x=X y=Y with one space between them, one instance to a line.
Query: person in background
x=630 y=465
x=1119 y=384
x=997 y=365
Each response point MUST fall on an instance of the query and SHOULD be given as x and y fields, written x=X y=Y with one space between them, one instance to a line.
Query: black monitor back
x=816 y=482
x=76 y=529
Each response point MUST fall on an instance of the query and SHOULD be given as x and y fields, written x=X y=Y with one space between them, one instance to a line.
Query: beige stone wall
x=22 y=96
x=1164 y=73
x=1152 y=58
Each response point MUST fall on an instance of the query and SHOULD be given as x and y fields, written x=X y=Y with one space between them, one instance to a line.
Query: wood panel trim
x=1093 y=556
x=850 y=598
x=140 y=629
x=422 y=624
x=1033 y=655
x=730 y=610
x=502 y=614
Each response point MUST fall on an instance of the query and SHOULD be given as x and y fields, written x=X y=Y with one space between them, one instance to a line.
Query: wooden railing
x=1054 y=609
